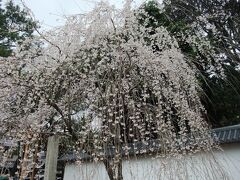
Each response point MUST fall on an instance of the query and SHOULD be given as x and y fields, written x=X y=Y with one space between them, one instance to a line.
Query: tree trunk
x=35 y=161
x=114 y=170
x=24 y=163
x=109 y=168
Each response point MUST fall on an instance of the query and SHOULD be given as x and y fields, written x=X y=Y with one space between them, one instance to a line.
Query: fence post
x=51 y=158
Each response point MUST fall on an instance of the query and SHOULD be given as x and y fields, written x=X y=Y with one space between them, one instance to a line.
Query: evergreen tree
x=218 y=22
x=15 y=26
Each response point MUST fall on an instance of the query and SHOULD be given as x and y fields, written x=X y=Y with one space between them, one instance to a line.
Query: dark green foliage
x=15 y=26
x=224 y=15
x=221 y=95
x=222 y=98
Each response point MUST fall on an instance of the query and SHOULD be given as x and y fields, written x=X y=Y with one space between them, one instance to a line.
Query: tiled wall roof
x=229 y=134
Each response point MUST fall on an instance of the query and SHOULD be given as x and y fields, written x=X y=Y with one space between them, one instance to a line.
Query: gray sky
x=50 y=13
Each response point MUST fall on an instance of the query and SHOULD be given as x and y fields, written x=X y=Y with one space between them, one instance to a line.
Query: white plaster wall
x=86 y=171
x=223 y=165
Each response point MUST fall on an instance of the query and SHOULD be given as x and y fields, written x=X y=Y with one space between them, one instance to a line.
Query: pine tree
x=15 y=26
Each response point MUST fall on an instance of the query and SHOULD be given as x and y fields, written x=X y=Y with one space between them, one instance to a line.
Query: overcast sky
x=50 y=12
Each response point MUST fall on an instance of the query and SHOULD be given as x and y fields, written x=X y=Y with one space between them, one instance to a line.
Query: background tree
x=217 y=22
x=15 y=26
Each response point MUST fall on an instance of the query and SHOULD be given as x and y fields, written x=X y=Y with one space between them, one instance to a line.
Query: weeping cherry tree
x=134 y=85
